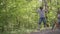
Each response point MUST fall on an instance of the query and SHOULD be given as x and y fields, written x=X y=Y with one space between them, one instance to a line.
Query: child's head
x=41 y=8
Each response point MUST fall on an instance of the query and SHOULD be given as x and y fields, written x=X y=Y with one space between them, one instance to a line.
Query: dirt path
x=47 y=31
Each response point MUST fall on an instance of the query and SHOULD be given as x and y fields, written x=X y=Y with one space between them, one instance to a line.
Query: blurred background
x=20 y=17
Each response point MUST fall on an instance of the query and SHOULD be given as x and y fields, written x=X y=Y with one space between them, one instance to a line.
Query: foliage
x=20 y=15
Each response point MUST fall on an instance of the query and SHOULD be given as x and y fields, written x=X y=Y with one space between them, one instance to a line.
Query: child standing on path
x=42 y=17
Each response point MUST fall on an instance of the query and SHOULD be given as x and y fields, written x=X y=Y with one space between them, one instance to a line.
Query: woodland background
x=20 y=17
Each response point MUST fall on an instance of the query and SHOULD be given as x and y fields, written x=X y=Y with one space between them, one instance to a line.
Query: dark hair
x=41 y=7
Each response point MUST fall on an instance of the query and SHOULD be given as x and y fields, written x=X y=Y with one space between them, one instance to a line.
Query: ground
x=46 y=31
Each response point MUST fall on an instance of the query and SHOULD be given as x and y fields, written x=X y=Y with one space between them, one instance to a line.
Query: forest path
x=46 y=31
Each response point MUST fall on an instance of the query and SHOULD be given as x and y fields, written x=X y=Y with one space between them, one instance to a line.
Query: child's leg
x=44 y=21
x=53 y=26
x=39 y=23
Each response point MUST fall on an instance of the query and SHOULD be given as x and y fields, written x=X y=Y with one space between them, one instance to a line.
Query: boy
x=42 y=17
x=57 y=22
